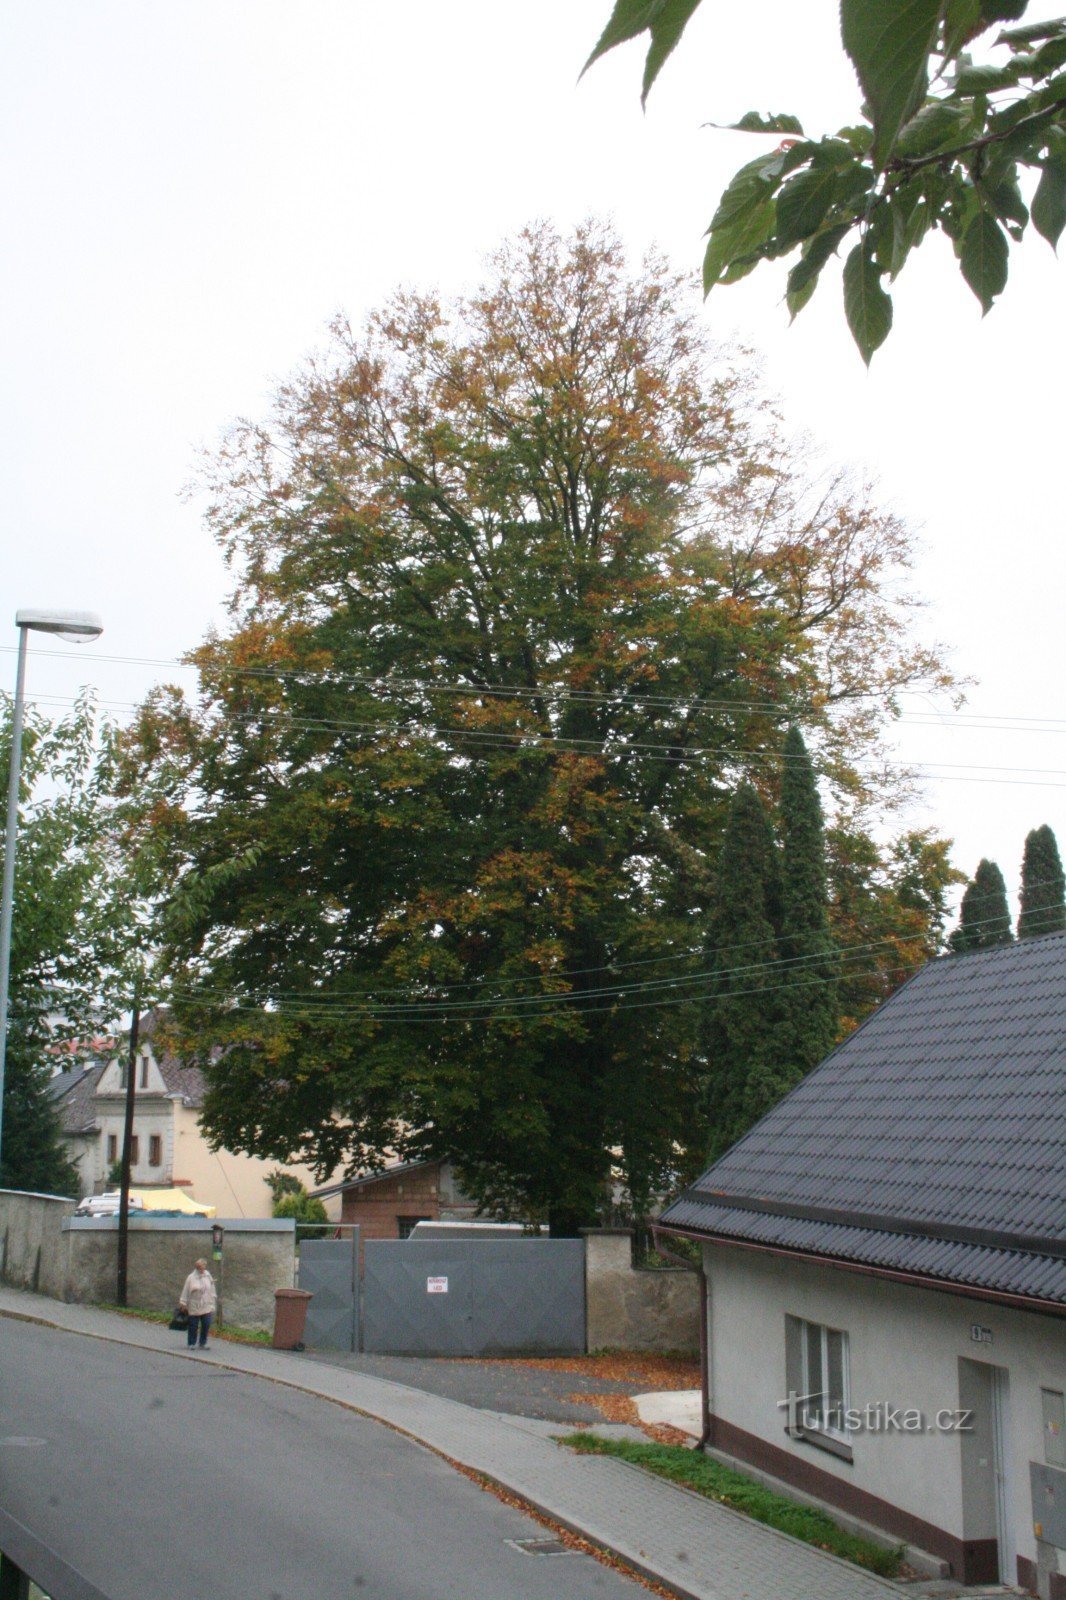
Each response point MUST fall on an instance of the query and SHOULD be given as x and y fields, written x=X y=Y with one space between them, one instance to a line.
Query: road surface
x=157 y=1477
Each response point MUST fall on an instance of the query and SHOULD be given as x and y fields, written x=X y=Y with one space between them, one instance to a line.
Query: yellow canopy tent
x=171 y=1200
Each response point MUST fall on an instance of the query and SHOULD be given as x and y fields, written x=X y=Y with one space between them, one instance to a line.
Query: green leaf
x=803 y=202
x=983 y=258
x=803 y=278
x=1049 y=203
x=936 y=124
x=962 y=19
x=755 y=122
x=1005 y=198
x=747 y=188
x=737 y=239
x=866 y=305
x=664 y=20
x=1002 y=10
x=890 y=44
x=985 y=79
x=1051 y=94
x=1034 y=32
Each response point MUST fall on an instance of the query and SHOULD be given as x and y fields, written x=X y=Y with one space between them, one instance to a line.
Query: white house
x=169 y=1147
x=885 y=1263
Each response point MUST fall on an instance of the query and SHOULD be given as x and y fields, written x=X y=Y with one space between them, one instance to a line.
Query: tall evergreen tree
x=984 y=916
x=809 y=1001
x=1043 y=908
x=740 y=1035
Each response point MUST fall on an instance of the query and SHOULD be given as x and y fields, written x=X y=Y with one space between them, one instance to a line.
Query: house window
x=155 y=1151
x=819 y=1383
x=144 y=1072
x=112 y=1149
x=405 y=1225
x=135 y=1150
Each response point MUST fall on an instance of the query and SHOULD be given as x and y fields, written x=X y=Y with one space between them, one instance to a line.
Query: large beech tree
x=525 y=586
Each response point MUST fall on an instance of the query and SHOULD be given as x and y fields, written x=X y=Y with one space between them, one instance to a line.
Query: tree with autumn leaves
x=526 y=587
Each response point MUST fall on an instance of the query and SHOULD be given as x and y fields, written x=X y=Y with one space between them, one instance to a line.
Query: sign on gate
x=471 y=1297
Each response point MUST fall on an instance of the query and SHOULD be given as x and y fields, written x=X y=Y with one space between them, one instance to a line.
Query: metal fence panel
x=329 y=1269
x=474 y=1297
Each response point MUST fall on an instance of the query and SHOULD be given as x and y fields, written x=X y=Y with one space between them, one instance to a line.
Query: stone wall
x=258 y=1256
x=32 y=1241
x=635 y=1308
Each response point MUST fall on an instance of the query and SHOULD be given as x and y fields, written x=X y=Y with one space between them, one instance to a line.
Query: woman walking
x=199 y=1300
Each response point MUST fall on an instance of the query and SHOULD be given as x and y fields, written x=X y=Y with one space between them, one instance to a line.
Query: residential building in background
x=169 y=1147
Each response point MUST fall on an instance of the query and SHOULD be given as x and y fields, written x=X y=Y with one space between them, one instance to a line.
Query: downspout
x=705 y=1334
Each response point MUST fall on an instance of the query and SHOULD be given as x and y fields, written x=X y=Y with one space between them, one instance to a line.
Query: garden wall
x=637 y=1308
x=32 y=1242
x=258 y=1256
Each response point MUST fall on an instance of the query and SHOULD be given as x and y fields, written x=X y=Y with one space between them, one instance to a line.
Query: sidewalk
x=701 y=1550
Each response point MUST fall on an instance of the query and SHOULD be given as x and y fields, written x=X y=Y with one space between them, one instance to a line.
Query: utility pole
x=127 y=1145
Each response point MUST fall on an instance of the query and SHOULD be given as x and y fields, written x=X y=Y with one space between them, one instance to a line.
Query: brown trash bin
x=290 y=1316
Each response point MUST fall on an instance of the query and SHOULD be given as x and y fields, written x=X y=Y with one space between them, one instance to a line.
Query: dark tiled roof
x=933 y=1141
x=75 y=1094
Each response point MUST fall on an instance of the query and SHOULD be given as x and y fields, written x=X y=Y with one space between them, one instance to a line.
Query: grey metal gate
x=474 y=1297
x=329 y=1268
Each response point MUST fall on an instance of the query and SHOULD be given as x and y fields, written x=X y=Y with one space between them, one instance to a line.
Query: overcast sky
x=193 y=189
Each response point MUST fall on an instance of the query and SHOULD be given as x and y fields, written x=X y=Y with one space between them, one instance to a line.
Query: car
x=106 y=1204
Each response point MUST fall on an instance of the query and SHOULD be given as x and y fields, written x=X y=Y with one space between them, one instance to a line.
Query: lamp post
x=79 y=626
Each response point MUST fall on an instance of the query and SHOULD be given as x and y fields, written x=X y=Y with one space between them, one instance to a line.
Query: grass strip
x=228 y=1331
x=708 y=1477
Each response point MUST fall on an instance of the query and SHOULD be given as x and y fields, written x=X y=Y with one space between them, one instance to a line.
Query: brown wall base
x=1027 y=1574
x=973 y=1560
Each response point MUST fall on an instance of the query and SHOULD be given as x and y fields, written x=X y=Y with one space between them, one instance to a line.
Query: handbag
x=180 y=1320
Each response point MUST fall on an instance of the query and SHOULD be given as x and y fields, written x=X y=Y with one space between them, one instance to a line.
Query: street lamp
x=79 y=627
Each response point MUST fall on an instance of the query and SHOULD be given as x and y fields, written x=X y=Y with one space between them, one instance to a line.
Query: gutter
x=1020 y=1302
x=705 y=1334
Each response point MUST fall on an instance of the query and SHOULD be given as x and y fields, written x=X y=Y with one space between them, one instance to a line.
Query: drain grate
x=542 y=1547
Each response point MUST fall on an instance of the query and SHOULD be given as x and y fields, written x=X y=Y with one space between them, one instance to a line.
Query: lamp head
x=78 y=626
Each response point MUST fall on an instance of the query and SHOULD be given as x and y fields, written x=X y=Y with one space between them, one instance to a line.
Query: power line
x=528 y=741
x=571 y=999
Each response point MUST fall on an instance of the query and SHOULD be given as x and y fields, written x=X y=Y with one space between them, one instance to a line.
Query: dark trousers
x=203 y=1322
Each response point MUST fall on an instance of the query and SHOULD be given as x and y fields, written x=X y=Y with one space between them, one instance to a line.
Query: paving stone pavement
x=700 y=1549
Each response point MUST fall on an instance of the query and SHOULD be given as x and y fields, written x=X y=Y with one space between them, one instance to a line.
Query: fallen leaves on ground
x=645 y=1371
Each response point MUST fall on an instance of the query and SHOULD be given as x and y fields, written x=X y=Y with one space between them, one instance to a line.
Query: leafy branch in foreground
x=942 y=143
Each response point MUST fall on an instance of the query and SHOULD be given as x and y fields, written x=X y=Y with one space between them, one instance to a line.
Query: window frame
x=155 y=1150
x=810 y=1371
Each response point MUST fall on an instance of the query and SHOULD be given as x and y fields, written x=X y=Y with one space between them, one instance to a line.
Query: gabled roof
x=75 y=1095
x=931 y=1143
x=365 y=1179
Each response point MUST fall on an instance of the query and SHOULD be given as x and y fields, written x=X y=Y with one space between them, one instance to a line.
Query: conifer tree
x=810 y=1011
x=742 y=1015
x=984 y=917
x=1043 y=908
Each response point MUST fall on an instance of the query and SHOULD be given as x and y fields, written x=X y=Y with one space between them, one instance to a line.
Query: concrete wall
x=258 y=1257
x=905 y=1347
x=632 y=1308
x=32 y=1242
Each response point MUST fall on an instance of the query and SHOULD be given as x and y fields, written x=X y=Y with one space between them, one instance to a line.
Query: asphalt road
x=513 y=1387
x=155 y=1477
